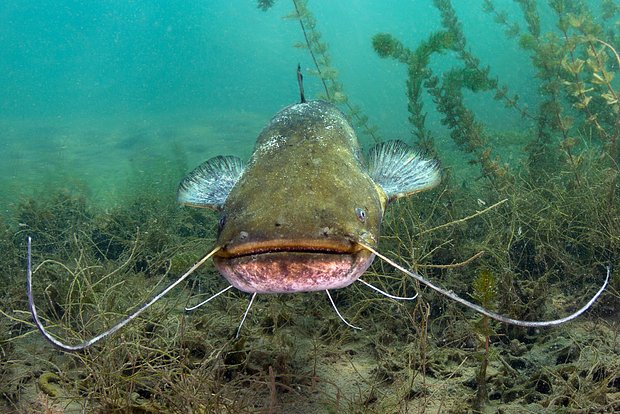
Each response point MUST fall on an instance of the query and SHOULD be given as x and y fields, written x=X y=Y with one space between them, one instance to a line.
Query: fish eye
x=361 y=214
x=221 y=223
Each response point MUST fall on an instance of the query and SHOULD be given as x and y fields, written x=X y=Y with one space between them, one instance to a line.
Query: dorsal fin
x=400 y=170
x=209 y=184
x=300 y=82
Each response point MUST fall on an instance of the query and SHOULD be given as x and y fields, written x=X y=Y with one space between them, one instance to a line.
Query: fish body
x=292 y=219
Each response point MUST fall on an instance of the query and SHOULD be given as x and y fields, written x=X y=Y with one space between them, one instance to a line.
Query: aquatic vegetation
x=169 y=361
x=447 y=89
x=325 y=71
x=580 y=107
x=576 y=72
x=265 y=5
x=484 y=292
x=418 y=73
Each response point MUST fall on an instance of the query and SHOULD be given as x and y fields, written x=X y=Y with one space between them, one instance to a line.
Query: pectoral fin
x=400 y=170
x=209 y=184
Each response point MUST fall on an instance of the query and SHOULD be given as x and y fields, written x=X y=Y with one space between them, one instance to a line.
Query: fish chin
x=293 y=271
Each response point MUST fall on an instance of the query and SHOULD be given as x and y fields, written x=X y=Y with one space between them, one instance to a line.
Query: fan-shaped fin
x=400 y=170
x=209 y=184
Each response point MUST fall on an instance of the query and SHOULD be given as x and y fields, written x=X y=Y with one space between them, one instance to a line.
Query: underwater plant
x=484 y=291
x=418 y=72
x=576 y=76
x=265 y=5
x=446 y=90
x=324 y=69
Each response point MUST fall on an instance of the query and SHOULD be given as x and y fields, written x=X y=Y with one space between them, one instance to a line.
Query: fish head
x=298 y=216
x=293 y=220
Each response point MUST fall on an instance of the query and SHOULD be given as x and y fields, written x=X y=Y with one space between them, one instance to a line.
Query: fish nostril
x=243 y=235
x=325 y=231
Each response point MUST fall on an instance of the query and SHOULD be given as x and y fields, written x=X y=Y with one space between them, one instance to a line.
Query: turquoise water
x=95 y=94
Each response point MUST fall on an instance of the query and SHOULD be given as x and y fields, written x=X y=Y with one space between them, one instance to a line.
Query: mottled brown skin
x=293 y=220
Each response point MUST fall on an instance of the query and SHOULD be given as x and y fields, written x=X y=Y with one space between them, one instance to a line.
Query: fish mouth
x=282 y=266
x=286 y=245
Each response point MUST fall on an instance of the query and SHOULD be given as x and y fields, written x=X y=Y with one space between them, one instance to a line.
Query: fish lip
x=291 y=246
x=287 y=271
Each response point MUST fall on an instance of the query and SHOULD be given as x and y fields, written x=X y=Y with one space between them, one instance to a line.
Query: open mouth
x=286 y=267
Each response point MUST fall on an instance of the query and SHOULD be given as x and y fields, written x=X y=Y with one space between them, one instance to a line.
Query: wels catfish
x=304 y=214
x=297 y=217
